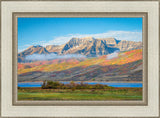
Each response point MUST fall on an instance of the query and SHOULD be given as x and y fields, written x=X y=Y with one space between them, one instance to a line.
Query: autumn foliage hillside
x=124 y=64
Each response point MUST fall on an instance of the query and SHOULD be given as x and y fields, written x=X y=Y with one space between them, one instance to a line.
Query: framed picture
x=80 y=59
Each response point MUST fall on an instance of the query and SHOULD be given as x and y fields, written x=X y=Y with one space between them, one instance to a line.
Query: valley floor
x=87 y=94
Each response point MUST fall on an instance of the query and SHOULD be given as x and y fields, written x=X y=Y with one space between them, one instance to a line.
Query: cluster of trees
x=72 y=85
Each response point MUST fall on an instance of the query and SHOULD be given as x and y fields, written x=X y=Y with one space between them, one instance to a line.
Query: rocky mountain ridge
x=87 y=46
x=32 y=50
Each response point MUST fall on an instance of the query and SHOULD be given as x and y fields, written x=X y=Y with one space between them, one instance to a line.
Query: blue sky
x=49 y=31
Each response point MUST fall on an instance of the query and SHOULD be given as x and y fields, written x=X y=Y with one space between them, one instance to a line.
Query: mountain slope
x=129 y=45
x=54 y=48
x=32 y=50
x=127 y=66
x=100 y=46
x=87 y=46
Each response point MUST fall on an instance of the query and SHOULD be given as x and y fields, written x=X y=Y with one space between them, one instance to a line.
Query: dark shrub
x=72 y=85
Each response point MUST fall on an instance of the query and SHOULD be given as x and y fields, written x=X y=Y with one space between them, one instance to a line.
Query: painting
x=80 y=58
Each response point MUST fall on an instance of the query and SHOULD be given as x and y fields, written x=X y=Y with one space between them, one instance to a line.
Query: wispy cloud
x=113 y=55
x=52 y=56
x=42 y=43
x=120 y=35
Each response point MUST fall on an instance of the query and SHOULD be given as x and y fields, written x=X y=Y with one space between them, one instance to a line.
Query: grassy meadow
x=80 y=94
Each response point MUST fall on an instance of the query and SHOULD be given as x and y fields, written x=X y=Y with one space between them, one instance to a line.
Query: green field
x=85 y=94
